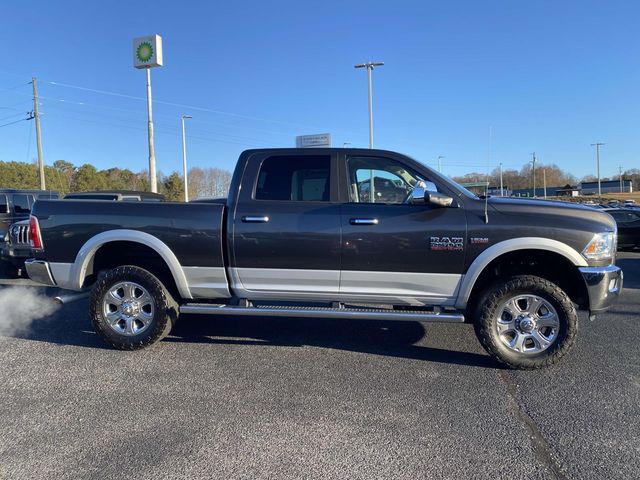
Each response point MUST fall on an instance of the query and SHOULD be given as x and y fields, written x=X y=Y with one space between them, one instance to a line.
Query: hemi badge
x=479 y=240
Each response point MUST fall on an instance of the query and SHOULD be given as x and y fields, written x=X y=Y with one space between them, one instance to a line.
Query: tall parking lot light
x=598 y=145
x=184 y=158
x=370 y=66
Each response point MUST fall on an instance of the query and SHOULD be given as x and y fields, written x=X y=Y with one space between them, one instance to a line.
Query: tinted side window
x=295 y=178
x=21 y=204
x=382 y=180
x=4 y=204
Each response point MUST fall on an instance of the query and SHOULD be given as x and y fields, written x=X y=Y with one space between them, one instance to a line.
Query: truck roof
x=322 y=150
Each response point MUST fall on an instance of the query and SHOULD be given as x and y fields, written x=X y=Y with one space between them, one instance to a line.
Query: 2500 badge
x=449 y=244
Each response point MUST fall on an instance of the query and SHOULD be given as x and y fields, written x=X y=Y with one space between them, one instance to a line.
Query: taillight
x=34 y=233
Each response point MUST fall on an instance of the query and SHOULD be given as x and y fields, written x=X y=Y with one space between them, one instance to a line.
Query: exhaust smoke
x=20 y=307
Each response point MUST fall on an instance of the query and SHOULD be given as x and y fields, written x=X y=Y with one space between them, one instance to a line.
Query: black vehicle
x=17 y=245
x=117 y=196
x=628 y=221
x=337 y=233
x=15 y=205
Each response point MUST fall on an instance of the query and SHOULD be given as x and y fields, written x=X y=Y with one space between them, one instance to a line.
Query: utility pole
x=153 y=180
x=501 y=188
x=598 y=145
x=184 y=158
x=534 y=173
x=36 y=115
x=370 y=66
x=440 y=157
x=544 y=181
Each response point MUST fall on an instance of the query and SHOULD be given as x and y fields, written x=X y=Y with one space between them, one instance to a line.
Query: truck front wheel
x=131 y=309
x=526 y=322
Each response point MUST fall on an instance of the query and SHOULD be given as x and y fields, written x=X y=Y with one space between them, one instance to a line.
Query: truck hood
x=553 y=209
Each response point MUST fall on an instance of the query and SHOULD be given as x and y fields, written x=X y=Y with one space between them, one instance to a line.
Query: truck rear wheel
x=131 y=309
x=526 y=322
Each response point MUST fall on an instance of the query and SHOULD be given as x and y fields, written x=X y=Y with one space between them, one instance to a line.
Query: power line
x=180 y=105
x=17 y=121
x=11 y=116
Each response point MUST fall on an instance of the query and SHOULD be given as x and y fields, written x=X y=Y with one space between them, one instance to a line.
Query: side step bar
x=321 y=312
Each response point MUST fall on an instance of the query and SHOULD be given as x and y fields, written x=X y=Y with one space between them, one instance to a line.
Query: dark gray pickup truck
x=336 y=233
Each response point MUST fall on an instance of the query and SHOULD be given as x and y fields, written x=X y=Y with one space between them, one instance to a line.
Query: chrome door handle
x=255 y=219
x=364 y=221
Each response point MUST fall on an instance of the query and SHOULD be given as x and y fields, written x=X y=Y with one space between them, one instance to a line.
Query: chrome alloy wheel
x=527 y=324
x=128 y=308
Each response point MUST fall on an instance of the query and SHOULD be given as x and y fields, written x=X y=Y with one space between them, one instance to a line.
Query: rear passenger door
x=286 y=226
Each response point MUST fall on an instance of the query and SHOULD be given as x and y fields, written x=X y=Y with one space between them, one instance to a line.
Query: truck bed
x=193 y=233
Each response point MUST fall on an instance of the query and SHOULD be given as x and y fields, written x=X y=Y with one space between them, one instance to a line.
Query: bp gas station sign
x=147 y=51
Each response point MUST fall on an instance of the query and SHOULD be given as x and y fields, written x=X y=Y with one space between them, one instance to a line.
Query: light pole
x=370 y=66
x=184 y=158
x=501 y=188
x=440 y=157
x=534 y=173
x=598 y=145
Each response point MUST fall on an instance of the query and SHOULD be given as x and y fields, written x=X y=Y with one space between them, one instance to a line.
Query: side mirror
x=418 y=195
x=438 y=199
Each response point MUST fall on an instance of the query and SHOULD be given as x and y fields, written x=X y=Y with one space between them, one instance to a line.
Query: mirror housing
x=421 y=196
x=418 y=195
x=438 y=199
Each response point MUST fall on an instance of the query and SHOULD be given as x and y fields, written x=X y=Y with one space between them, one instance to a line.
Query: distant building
x=568 y=191
x=495 y=191
x=608 y=186
x=540 y=192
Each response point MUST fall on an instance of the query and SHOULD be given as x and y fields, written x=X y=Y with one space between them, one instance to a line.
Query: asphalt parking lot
x=291 y=398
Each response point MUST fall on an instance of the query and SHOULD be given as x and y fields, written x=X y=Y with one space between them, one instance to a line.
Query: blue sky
x=480 y=82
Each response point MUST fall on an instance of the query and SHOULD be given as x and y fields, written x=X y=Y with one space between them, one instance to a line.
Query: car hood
x=553 y=209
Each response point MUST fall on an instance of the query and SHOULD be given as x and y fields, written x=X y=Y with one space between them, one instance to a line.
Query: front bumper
x=15 y=255
x=604 y=285
x=39 y=271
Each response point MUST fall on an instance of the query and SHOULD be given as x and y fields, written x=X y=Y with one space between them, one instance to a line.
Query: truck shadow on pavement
x=70 y=326
x=388 y=338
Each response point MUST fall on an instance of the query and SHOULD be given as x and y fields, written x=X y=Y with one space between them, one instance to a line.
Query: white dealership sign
x=147 y=51
x=314 y=141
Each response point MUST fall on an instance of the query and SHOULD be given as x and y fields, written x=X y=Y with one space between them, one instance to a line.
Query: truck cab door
x=286 y=227
x=392 y=248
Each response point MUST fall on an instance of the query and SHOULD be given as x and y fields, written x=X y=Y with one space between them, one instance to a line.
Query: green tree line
x=64 y=177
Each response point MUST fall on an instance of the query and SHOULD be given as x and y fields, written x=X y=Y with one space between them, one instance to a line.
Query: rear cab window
x=304 y=178
x=4 y=204
x=22 y=203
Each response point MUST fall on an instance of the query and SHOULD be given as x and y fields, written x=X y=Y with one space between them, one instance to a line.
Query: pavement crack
x=541 y=448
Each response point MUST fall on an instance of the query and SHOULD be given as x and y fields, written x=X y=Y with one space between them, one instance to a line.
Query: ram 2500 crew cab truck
x=336 y=233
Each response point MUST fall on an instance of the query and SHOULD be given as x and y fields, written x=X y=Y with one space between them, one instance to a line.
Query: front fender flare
x=511 y=245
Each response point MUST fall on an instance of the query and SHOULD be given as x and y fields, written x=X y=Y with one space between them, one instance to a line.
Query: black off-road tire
x=165 y=312
x=486 y=318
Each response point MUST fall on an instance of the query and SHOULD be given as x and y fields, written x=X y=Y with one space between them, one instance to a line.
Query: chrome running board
x=321 y=312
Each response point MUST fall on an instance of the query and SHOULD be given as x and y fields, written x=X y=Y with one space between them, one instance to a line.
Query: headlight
x=601 y=246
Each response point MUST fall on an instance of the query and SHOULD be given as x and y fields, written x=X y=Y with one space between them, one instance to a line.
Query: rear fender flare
x=91 y=246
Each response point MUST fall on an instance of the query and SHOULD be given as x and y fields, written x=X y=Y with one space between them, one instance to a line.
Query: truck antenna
x=486 y=199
